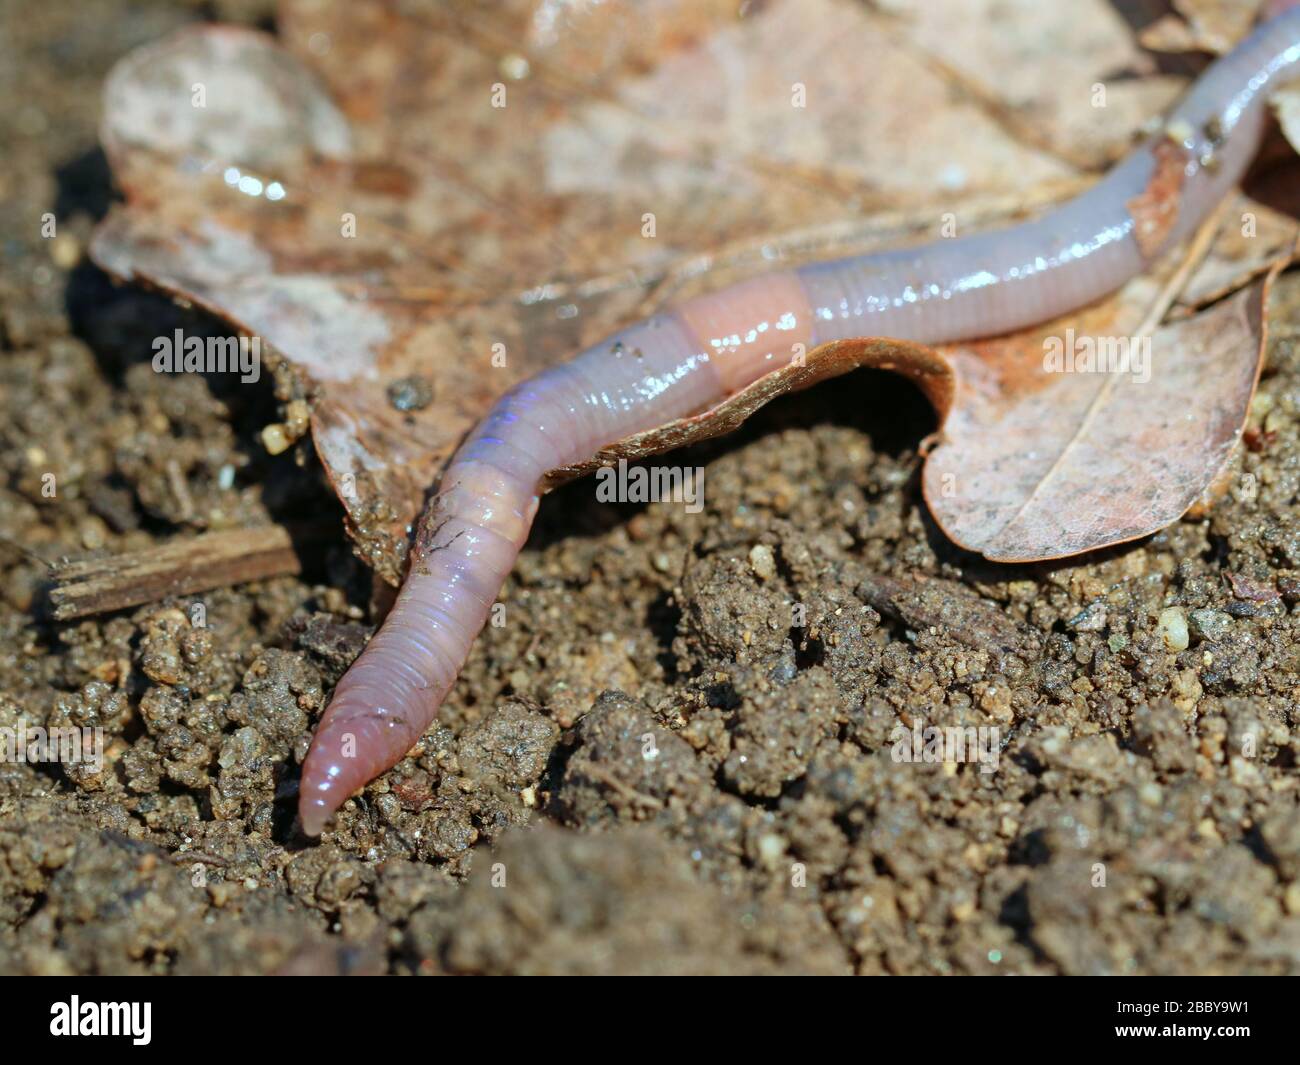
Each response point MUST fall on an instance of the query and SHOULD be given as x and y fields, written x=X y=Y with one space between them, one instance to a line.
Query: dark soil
x=675 y=756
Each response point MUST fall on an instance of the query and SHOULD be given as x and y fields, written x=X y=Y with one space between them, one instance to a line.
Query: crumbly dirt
x=675 y=753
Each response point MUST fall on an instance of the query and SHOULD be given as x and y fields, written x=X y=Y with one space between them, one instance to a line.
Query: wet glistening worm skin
x=687 y=359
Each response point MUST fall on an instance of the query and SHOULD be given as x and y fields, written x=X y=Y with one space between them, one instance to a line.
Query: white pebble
x=1172 y=626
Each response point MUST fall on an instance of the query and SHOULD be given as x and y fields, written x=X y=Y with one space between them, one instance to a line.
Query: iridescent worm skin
x=686 y=360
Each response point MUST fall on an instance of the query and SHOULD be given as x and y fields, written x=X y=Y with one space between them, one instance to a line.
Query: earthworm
x=686 y=359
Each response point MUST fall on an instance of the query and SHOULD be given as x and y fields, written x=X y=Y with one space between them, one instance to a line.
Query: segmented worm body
x=685 y=360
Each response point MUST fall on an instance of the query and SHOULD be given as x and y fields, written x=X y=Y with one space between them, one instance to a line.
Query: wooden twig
x=181 y=566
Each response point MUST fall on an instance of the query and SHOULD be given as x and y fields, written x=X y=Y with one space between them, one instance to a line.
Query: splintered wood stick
x=179 y=567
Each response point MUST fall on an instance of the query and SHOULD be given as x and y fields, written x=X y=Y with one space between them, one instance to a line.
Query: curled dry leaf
x=925 y=367
x=379 y=222
x=1036 y=464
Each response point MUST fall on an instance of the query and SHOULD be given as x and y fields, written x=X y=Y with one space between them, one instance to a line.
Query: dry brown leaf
x=1067 y=77
x=1042 y=465
x=518 y=230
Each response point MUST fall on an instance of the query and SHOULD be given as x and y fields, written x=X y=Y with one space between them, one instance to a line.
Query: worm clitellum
x=687 y=359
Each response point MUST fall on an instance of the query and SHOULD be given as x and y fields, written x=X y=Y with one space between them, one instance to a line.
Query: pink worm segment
x=681 y=362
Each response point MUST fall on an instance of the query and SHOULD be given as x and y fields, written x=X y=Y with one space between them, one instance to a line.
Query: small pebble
x=93 y=534
x=1172 y=626
x=770 y=849
x=65 y=250
x=275 y=439
x=1209 y=624
x=1091 y=618
x=411 y=393
x=1249 y=609
x=762 y=562
x=297 y=418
